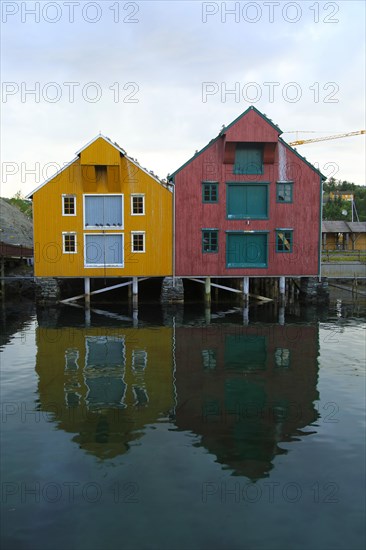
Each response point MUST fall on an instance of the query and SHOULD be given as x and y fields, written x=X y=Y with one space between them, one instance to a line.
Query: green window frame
x=210 y=241
x=284 y=192
x=248 y=159
x=247 y=200
x=284 y=240
x=210 y=191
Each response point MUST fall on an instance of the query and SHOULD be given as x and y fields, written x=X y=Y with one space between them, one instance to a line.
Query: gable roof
x=357 y=227
x=302 y=158
x=110 y=142
x=226 y=128
x=262 y=115
x=338 y=226
x=341 y=226
x=113 y=144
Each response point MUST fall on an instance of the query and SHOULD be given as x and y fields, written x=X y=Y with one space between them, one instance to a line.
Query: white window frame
x=143 y=204
x=138 y=233
x=104 y=227
x=91 y=266
x=68 y=196
x=64 y=234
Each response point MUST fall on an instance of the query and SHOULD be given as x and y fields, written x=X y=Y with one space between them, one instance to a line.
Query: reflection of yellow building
x=105 y=384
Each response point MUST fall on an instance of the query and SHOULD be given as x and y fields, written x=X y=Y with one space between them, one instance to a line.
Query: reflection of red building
x=246 y=389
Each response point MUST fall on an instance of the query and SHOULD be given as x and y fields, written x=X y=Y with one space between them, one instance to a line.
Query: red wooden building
x=247 y=205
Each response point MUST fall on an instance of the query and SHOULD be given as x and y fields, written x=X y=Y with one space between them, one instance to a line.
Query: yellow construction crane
x=336 y=136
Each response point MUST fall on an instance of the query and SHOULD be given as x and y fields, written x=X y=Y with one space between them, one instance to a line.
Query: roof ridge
x=224 y=130
x=113 y=144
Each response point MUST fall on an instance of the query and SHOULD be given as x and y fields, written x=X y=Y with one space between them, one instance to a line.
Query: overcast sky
x=156 y=78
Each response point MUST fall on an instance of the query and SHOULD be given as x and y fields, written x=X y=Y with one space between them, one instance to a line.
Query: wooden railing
x=15 y=251
x=343 y=255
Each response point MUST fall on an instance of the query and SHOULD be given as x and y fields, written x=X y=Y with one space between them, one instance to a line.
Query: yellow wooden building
x=103 y=215
x=342 y=235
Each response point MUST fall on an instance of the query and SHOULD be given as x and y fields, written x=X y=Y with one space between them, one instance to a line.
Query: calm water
x=184 y=431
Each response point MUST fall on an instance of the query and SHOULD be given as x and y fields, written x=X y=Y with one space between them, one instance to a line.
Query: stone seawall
x=47 y=290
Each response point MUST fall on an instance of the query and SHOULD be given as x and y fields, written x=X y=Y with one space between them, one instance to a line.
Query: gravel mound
x=15 y=227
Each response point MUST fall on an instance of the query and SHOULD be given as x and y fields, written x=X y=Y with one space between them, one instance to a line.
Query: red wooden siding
x=215 y=163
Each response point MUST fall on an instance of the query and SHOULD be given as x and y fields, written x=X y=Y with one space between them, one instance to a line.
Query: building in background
x=341 y=235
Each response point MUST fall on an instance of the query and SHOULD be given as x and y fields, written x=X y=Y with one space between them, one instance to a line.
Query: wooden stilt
x=135 y=318
x=87 y=291
x=216 y=293
x=2 y=277
x=281 y=315
x=246 y=315
x=87 y=316
x=130 y=292
x=207 y=290
x=135 y=292
x=246 y=290
x=208 y=314
x=282 y=289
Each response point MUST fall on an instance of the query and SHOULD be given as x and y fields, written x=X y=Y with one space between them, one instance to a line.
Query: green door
x=246 y=250
x=248 y=159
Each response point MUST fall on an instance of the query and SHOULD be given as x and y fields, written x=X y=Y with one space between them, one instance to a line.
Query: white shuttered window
x=103 y=250
x=103 y=211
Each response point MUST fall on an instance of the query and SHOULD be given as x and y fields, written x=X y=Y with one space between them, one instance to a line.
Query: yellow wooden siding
x=331 y=241
x=59 y=384
x=356 y=241
x=100 y=152
x=359 y=241
x=126 y=179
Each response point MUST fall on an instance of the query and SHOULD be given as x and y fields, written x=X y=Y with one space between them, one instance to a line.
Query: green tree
x=333 y=210
x=23 y=204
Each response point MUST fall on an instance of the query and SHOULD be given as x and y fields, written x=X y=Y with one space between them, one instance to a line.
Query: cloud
x=150 y=79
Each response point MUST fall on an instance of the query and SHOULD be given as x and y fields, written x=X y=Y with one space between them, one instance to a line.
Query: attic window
x=248 y=159
x=68 y=205
x=100 y=173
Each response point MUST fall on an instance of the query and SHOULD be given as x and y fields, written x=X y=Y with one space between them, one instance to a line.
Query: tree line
x=335 y=208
